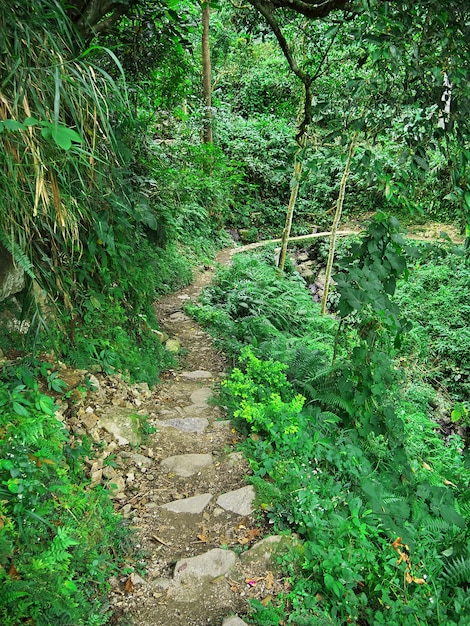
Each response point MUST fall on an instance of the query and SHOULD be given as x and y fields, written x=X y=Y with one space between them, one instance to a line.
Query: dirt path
x=199 y=531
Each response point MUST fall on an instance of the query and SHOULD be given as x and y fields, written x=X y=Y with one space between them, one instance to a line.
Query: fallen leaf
x=13 y=572
x=266 y=600
x=129 y=586
x=269 y=580
x=427 y=467
x=254 y=532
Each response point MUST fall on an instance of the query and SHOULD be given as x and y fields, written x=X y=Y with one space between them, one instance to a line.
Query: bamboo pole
x=334 y=227
x=292 y=200
x=267 y=242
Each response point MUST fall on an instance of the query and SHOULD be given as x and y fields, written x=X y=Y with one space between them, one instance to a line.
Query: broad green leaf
x=449 y=514
x=19 y=409
x=64 y=136
x=12 y=125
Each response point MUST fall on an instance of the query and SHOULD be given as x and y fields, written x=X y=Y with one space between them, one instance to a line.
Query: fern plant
x=457 y=572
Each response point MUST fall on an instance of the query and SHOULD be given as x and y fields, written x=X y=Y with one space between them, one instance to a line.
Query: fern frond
x=457 y=572
x=18 y=255
x=463 y=504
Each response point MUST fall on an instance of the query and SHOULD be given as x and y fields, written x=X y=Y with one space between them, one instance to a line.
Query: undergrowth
x=341 y=456
x=59 y=541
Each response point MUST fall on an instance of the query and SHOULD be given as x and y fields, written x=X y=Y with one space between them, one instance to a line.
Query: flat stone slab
x=263 y=555
x=196 y=504
x=142 y=461
x=234 y=620
x=239 y=501
x=187 y=464
x=197 y=374
x=178 y=317
x=186 y=424
x=195 y=409
x=122 y=424
x=200 y=396
x=209 y=565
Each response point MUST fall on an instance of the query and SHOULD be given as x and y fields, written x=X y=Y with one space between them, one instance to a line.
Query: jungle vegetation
x=137 y=138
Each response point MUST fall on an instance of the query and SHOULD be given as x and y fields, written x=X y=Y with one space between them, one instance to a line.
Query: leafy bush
x=252 y=304
x=59 y=542
x=435 y=300
x=339 y=456
x=371 y=543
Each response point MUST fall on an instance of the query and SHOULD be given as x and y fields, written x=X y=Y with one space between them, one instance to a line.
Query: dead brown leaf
x=269 y=580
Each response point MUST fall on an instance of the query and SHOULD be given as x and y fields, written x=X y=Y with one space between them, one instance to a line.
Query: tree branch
x=310 y=8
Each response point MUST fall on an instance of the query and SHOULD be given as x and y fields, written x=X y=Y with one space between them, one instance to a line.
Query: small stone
x=109 y=472
x=234 y=620
x=161 y=336
x=126 y=511
x=96 y=477
x=200 y=396
x=173 y=345
x=140 y=460
x=209 y=565
x=196 y=374
x=121 y=423
x=96 y=465
x=196 y=504
x=137 y=580
x=94 y=382
x=187 y=464
x=239 y=501
x=116 y=486
x=89 y=419
x=95 y=435
x=188 y=424
x=110 y=448
x=178 y=317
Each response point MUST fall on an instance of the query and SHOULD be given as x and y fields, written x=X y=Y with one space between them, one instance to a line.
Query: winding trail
x=199 y=532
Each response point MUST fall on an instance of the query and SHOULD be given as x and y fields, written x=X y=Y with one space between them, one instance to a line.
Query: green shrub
x=375 y=549
x=435 y=300
x=339 y=455
x=59 y=541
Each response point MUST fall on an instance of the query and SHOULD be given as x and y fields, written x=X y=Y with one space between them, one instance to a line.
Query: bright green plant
x=378 y=497
x=434 y=300
x=339 y=492
x=58 y=541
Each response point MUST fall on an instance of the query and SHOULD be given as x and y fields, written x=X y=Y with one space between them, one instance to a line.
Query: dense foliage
x=341 y=456
x=59 y=541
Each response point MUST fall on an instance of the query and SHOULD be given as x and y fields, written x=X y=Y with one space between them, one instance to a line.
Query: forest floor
x=202 y=547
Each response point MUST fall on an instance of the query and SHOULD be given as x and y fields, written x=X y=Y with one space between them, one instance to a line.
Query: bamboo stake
x=267 y=242
x=292 y=200
x=334 y=228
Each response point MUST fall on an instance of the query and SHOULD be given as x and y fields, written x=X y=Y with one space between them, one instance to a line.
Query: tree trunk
x=206 y=73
